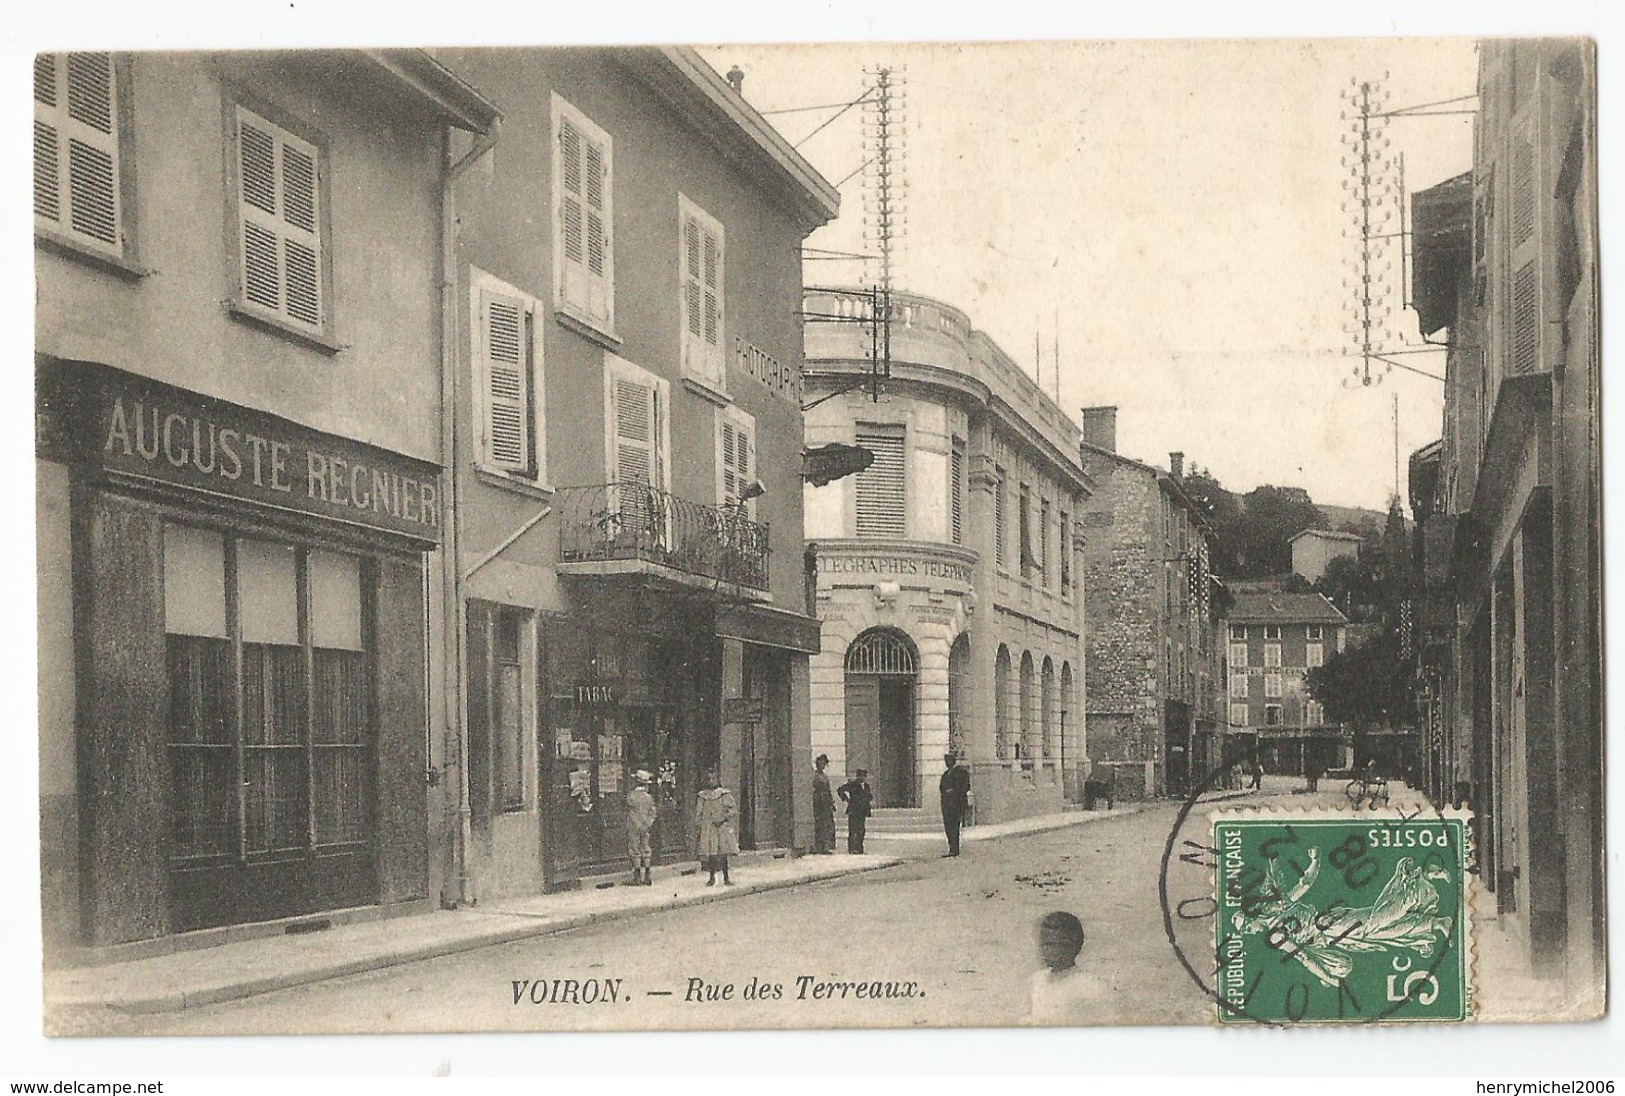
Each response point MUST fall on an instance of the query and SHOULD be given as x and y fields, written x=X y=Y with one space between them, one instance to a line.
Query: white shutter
x=279 y=213
x=637 y=432
x=584 y=206
x=737 y=457
x=506 y=339
x=700 y=264
x=76 y=148
x=692 y=294
x=881 y=496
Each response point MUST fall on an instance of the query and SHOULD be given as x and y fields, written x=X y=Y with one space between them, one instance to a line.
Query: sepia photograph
x=856 y=535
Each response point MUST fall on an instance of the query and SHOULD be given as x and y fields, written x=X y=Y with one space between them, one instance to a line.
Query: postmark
x=1306 y=911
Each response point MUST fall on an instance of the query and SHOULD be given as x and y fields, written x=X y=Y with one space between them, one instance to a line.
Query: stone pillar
x=931 y=714
x=801 y=754
x=730 y=741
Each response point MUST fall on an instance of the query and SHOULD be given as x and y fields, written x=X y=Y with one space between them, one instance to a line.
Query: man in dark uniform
x=860 y=800
x=954 y=788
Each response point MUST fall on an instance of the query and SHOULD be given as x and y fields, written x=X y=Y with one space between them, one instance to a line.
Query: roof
x=1325 y=534
x=442 y=90
x=1170 y=486
x=1276 y=607
x=681 y=76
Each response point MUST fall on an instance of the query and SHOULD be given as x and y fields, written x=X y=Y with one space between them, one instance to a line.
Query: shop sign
x=781 y=380
x=742 y=709
x=141 y=428
x=596 y=694
x=895 y=567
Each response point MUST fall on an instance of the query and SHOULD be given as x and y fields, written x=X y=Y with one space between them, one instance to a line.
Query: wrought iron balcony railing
x=632 y=521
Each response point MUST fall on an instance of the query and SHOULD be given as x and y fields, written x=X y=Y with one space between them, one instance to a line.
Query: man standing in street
x=860 y=800
x=954 y=788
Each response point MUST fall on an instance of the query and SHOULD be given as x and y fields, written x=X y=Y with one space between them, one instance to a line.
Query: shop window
x=507 y=380
x=289 y=739
x=700 y=267
x=278 y=180
x=509 y=705
x=584 y=213
x=497 y=713
x=79 y=155
x=881 y=488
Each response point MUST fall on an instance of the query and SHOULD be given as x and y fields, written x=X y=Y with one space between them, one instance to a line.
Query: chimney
x=736 y=80
x=1176 y=465
x=1100 y=427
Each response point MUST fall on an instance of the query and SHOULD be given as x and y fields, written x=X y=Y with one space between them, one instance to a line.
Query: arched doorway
x=959 y=694
x=881 y=669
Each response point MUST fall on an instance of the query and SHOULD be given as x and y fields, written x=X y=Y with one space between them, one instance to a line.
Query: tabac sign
x=96 y=415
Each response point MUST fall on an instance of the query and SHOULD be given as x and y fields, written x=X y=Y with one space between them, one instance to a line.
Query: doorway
x=881 y=673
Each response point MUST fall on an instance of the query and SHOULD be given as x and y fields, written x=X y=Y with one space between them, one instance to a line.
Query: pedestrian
x=716 y=838
x=1258 y=776
x=640 y=819
x=1063 y=993
x=859 y=798
x=823 y=808
x=954 y=790
x=1313 y=776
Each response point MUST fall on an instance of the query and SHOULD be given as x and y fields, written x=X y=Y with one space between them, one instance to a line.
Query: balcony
x=631 y=528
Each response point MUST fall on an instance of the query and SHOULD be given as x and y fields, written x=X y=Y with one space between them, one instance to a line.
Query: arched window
x=1003 y=733
x=1029 y=708
x=959 y=692
x=1047 y=711
x=1066 y=706
x=881 y=651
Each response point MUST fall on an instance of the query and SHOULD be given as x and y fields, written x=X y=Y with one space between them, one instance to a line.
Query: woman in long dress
x=823 y=808
x=716 y=837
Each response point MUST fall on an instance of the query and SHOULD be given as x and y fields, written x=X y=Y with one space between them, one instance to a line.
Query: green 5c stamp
x=1331 y=919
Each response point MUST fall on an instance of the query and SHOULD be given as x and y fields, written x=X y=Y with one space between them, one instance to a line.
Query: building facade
x=1508 y=266
x=238 y=483
x=1272 y=640
x=948 y=572
x=1151 y=603
x=623 y=584
x=1314 y=549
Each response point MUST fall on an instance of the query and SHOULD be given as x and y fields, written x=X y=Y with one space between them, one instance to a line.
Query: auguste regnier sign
x=139 y=427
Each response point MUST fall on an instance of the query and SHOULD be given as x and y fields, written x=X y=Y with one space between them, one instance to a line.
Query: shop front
x=249 y=738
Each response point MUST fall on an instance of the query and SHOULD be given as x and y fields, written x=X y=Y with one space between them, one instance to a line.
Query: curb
x=180 y=1000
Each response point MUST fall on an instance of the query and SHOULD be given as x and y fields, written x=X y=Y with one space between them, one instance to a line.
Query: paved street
x=954 y=937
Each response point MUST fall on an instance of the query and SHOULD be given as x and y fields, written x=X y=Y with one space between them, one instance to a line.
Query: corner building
x=238 y=484
x=623 y=583
x=948 y=573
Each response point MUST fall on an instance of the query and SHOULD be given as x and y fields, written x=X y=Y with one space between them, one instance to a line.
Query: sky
x=1169 y=212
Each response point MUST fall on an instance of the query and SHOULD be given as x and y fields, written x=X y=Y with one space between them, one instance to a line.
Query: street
x=950 y=942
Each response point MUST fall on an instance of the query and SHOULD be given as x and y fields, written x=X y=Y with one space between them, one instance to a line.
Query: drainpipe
x=451 y=575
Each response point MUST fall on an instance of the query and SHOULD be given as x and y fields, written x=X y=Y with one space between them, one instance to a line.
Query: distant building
x=1314 y=549
x=1152 y=712
x=1510 y=506
x=1272 y=640
x=949 y=577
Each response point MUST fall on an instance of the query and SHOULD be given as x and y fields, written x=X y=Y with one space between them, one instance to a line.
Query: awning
x=770 y=627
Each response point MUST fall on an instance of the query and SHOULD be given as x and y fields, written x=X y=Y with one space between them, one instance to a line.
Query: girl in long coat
x=716 y=837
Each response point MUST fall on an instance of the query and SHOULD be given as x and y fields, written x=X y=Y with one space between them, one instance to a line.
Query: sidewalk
x=244 y=968
x=188 y=979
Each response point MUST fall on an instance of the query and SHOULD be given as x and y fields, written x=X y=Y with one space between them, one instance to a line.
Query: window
x=1238 y=656
x=78 y=164
x=1272 y=631
x=500 y=647
x=1314 y=654
x=881 y=488
x=1272 y=654
x=292 y=773
x=1240 y=688
x=1240 y=716
x=507 y=379
x=700 y=303
x=1273 y=685
x=636 y=406
x=584 y=211
x=279 y=187
x=1043 y=539
x=1272 y=715
x=1238 y=632
x=1314 y=714
x=736 y=457
x=1066 y=551
x=956 y=492
x=507 y=696
x=1024 y=516
x=1314 y=632
x=999 y=553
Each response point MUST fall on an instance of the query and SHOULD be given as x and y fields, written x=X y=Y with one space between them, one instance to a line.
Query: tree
x=1274 y=515
x=1222 y=511
x=1354 y=584
x=1366 y=686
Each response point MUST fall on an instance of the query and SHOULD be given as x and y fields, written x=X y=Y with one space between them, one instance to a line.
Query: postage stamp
x=1327 y=916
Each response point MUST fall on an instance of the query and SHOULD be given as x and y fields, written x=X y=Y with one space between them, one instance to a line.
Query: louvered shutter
x=507 y=378
x=737 y=459
x=637 y=433
x=585 y=214
x=956 y=494
x=1524 y=311
x=76 y=148
x=998 y=520
x=881 y=499
x=279 y=214
x=702 y=306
